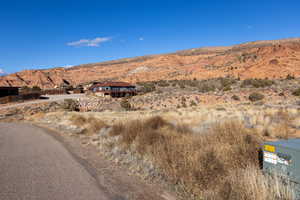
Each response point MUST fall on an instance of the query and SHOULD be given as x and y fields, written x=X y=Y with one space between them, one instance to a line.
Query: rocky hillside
x=271 y=59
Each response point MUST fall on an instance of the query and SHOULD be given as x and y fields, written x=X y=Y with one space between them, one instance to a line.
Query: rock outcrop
x=262 y=59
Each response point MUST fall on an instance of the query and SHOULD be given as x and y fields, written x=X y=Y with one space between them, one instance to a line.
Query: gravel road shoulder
x=114 y=179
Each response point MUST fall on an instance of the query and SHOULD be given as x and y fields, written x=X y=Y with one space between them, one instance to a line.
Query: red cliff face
x=271 y=59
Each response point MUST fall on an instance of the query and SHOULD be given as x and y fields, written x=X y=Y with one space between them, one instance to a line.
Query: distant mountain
x=261 y=59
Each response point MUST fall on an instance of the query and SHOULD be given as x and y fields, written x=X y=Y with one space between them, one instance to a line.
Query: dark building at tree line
x=9 y=91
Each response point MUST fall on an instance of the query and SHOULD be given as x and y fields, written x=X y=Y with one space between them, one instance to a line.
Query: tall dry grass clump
x=251 y=184
x=281 y=126
x=203 y=163
x=90 y=125
x=142 y=133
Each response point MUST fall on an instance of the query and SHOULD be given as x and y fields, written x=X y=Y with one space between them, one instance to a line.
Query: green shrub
x=256 y=96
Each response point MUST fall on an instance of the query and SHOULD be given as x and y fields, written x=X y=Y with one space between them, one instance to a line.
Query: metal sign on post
x=283 y=158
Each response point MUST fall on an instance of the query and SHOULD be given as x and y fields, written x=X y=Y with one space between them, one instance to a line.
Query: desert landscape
x=263 y=59
x=149 y=100
x=197 y=124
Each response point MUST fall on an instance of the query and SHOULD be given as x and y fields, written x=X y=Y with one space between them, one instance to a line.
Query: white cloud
x=67 y=66
x=2 y=72
x=141 y=38
x=89 y=42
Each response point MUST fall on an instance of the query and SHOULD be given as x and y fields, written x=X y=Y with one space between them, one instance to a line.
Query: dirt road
x=34 y=164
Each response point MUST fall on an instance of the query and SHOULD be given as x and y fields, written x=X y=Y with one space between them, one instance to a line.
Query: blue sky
x=37 y=34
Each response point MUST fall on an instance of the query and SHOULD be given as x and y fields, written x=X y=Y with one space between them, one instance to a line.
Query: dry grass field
x=201 y=152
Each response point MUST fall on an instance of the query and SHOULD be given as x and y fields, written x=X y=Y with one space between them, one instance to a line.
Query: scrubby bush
x=227 y=88
x=246 y=56
x=192 y=103
x=78 y=120
x=25 y=89
x=202 y=163
x=257 y=83
x=125 y=104
x=236 y=98
x=290 y=77
x=183 y=99
x=117 y=129
x=227 y=82
x=256 y=96
x=138 y=128
x=155 y=123
x=70 y=105
x=181 y=85
x=183 y=102
x=206 y=87
x=163 y=83
x=296 y=92
x=90 y=125
x=192 y=83
x=36 y=89
x=159 y=91
x=147 y=87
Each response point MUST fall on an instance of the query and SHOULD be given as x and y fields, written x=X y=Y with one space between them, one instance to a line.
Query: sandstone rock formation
x=262 y=59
